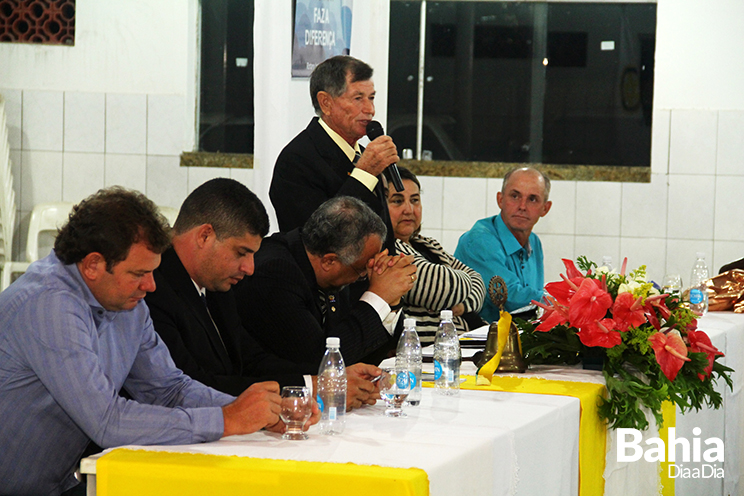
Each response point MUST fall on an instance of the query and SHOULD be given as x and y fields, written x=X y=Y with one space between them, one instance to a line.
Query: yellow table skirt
x=127 y=472
x=592 y=429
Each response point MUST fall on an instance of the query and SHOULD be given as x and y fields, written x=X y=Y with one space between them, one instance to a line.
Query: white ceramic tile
x=431 y=199
x=464 y=202
x=42 y=120
x=597 y=208
x=729 y=213
x=730 y=159
x=165 y=125
x=449 y=239
x=644 y=208
x=13 y=116
x=562 y=216
x=200 y=175
x=129 y=171
x=725 y=252
x=82 y=175
x=650 y=252
x=167 y=181
x=244 y=176
x=692 y=141
x=493 y=187
x=556 y=247
x=660 y=141
x=691 y=203
x=681 y=256
x=126 y=123
x=596 y=247
x=42 y=178
x=85 y=122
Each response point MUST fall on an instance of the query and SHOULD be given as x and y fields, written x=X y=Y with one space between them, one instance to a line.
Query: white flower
x=628 y=287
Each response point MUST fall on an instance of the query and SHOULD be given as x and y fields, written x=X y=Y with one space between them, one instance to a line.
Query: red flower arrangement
x=653 y=349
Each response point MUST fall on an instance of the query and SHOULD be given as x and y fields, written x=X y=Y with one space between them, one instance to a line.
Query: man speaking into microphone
x=325 y=160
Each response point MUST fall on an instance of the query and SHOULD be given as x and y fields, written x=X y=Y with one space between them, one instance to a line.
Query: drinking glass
x=672 y=284
x=395 y=384
x=296 y=409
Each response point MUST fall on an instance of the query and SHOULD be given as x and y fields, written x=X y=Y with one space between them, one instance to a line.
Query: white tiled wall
x=693 y=202
x=67 y=145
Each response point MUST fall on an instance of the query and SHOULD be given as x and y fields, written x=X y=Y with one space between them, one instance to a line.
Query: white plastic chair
x=45 y=218
x=7 y=199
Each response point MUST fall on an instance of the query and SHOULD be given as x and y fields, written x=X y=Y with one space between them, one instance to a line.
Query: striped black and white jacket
x=442 y=282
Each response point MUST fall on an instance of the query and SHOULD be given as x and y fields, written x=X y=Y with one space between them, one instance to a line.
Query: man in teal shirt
x=504 y=244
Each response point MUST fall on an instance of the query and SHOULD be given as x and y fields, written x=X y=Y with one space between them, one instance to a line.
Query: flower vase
x=593 y=357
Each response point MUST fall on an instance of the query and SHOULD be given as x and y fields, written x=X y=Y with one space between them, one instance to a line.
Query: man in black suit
x=218 y=230
x=301 y=279
x=325 y=160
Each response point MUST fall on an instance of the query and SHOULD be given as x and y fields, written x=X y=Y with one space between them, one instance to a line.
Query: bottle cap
x=445 y=314
x=333 y=342
x=409 y=323
x=700 y=254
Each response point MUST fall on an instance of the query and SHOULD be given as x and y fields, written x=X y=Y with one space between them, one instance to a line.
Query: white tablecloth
x=479 y=443
x=507 y=443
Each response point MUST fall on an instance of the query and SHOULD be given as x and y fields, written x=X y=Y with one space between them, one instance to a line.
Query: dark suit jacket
x=182 y=321
x=290 y=323
x=312 y=169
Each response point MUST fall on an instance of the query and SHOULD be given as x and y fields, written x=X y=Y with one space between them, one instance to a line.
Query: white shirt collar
x=349 y=150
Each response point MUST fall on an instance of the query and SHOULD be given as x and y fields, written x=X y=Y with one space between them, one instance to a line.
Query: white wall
x=288 y=108
x=118 y=108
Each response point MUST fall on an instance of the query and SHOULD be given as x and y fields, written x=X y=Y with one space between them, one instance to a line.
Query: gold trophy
x=511 y=357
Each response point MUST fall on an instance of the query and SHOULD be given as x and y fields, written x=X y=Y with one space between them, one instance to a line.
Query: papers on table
x=479 y=333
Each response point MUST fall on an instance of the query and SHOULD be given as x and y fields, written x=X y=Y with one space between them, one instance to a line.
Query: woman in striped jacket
x=442 y=281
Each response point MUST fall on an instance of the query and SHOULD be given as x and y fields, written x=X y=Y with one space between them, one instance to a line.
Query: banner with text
x=322 y=29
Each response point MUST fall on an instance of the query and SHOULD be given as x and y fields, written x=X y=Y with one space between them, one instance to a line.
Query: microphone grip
x=393 y=175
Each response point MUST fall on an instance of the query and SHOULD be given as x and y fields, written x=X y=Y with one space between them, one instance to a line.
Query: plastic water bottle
x=447 y=356
x=332 y=389
x=698 y=292
x=408 y=356
x=607 y=262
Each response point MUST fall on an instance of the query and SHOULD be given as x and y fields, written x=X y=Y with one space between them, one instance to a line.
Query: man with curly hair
x=75 y=331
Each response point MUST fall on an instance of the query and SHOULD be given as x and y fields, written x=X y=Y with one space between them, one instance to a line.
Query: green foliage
x=584 y=264
x=632 y=374
x=559 y=346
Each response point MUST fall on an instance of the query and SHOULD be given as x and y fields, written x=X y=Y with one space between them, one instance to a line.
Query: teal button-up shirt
x=491 y=249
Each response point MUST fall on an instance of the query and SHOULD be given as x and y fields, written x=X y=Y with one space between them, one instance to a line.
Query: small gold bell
x=492 y=345
x=511 y=357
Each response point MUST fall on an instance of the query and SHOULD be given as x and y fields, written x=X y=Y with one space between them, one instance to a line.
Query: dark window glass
x=226 y=89
x=561 y=83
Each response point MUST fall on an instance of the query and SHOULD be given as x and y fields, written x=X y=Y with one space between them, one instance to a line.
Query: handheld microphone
x=374 y=130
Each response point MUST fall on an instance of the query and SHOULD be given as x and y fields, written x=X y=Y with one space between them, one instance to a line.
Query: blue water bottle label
x=412 y=379
x=437 y=370
x=402 y=380
x=696 y=296
x=320 y=402
x=332 y=413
